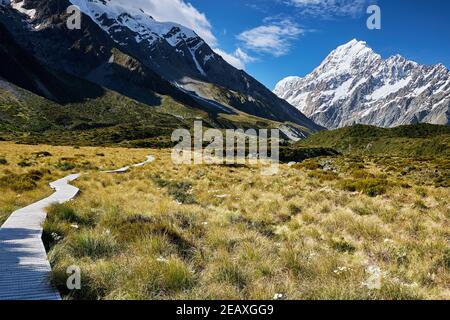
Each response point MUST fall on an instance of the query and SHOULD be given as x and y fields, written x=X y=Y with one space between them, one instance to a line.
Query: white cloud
x=177 y=11
x=273 y=38
x=184 y=13
x=331 y=8
x=237 y=59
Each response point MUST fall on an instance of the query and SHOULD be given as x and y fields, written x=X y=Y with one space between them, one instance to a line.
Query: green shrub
x=323 y=175
x=371 y=186
x=298 y=154
x=342 y=245
x=356 y=165
x=361 y=174
x=310 y=164
x=65 y=166
x=42 y=154
x=36 y=175
x=179 y=190
x=24 y=163
x=294 y=209
x=22 y=182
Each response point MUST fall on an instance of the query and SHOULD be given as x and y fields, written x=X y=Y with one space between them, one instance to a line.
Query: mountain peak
x=346 y=59
x=352 y=50
x=355 y=43
x=355 y=85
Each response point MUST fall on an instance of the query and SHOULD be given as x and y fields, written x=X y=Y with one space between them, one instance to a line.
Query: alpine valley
x=122 y=78
x=97 y=202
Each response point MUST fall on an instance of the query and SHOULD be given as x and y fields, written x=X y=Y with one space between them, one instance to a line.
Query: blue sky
x=273 y=39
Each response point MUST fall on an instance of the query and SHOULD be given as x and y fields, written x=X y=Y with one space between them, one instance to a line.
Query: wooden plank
x=25 y=272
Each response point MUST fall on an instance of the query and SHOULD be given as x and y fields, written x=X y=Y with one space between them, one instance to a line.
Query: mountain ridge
x=354 y=85
x=165 y=63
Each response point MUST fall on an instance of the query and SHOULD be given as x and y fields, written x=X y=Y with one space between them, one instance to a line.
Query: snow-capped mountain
x=124 y=49
x=130 y=26
x=355 y=85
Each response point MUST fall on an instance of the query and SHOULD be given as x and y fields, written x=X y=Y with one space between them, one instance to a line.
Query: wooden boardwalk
x=25 y=272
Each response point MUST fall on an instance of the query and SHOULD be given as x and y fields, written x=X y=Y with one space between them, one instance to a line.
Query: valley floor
x=328 y=228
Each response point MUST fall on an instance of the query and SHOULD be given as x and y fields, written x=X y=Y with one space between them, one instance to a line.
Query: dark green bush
x=179 y=190
x=371 y=186
x=24 y=164
x=65 y=166
x=42 y=154
x=22 y=182
x=342 y=245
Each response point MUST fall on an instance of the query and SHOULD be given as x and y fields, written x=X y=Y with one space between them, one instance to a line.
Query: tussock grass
x=19 y=186
x=218 y=232
x=92 y=244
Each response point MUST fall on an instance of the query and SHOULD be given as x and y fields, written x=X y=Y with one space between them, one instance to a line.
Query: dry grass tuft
x=324 y=229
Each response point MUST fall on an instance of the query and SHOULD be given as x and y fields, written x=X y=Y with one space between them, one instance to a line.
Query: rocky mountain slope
x=123 y=50
x=355 y=85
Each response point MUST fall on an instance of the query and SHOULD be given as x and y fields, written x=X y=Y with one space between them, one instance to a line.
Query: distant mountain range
x=123 y=75
x=354 y=85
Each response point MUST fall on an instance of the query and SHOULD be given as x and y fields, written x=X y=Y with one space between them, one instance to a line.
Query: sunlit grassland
x=25 y=171
x=324 y=229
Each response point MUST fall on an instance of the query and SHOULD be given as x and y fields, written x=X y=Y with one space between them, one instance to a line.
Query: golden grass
x=249 y=236
x=53 y=163
x=218 y=232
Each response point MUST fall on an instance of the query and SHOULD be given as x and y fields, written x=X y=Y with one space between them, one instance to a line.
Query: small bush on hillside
x=65 y=166
x=310 y=164
x=3 y=161
x=370 y=186
x=22 y=182
x=24 y=164
x=361 y=174
x=42 y=154
x=342 y=245
x=323 y=175
x=179 y=190
x=36 y=175
x=294 y=209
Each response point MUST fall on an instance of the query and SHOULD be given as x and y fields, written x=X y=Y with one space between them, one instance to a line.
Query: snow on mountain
x=119 y=40
x=19 y=6
x=126 y=23
x=355 y=85
x=111 y=15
